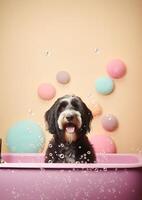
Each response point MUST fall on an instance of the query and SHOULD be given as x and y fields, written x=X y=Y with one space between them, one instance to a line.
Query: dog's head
x=69 y=117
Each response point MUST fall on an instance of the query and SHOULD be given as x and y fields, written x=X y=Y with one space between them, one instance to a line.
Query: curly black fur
x=61 y=151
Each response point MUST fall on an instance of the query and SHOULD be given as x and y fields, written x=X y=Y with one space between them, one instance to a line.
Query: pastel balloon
x=63 y=77
x=116 y=68
x=104 y=85
x=46 y=91
x=96 y=110
x=103 y=144
x=25 y=137
x=109 y=122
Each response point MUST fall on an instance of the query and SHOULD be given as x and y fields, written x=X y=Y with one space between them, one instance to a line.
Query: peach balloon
x=46 y=91
x=103 y=144
x=116 y=68
x=96 y=110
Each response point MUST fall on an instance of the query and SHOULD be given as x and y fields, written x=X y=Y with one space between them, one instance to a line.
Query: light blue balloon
x=25 y=137
x=104 y=85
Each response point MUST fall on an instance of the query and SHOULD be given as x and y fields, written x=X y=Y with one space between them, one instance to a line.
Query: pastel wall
x=70 y=31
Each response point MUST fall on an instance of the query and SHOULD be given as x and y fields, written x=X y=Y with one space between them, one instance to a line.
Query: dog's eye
x=62 y=106
x=75 y=104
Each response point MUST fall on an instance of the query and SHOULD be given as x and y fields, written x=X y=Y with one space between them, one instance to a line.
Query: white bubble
x=81 y=156
x=89 y=152
x=62 y=145
x=49 y=161
x=79 y=147
x=50 y=146
x=50 y=154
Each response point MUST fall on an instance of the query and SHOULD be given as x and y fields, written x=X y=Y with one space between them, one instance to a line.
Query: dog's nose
x=69 y=117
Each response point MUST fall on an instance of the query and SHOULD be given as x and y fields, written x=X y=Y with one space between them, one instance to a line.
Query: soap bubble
x=50 y=145
x=89 y=152
x=62 y=145
x=61 y=156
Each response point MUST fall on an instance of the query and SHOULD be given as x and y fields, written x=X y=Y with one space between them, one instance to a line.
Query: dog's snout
x=69 y=117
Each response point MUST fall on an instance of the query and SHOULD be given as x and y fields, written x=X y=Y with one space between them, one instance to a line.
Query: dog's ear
x=87 y=118
x=50 y=117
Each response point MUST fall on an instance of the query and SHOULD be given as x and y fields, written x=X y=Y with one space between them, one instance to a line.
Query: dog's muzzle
x=69 y=121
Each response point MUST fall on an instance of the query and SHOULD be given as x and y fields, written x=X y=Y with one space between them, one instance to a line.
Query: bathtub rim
x=40 y=165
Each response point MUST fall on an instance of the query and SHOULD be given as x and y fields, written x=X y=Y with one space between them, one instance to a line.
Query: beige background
x=70 y=31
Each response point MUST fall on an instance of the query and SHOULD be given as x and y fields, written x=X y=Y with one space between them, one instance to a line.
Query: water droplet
x=46 y=53
x=109 y=190
x=73 y=156
x=105 y=169
x=61 y=156
x=113 y=190
x=30 y=111
x=97 y=50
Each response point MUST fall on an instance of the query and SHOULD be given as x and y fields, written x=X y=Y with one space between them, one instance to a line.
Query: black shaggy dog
x=69 y=121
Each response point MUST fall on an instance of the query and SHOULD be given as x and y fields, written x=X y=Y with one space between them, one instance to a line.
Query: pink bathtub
x=113 y=177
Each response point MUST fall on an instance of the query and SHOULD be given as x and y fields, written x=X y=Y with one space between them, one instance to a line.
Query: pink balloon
x=109 y=122
x=103 y=144
x=46 y=91
x=116 y=68
x=63 y=77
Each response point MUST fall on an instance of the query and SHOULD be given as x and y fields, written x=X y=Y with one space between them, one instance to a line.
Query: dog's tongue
x=70 y=129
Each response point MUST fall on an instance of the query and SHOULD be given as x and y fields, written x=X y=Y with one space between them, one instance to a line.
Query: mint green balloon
x=104 y=85
x=25 y=137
